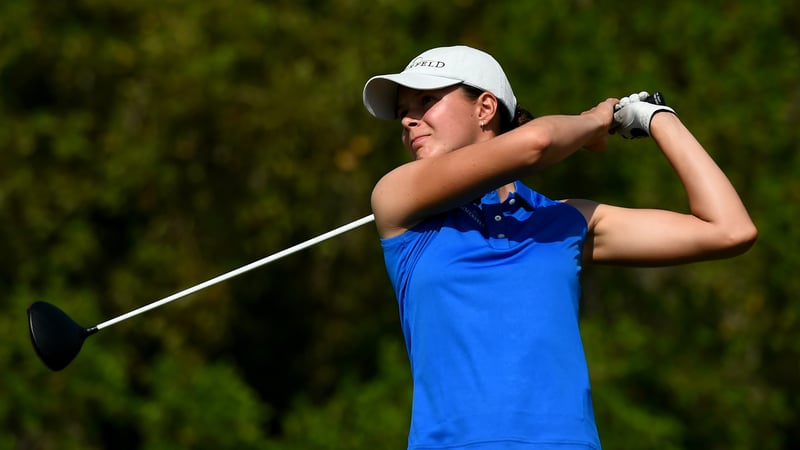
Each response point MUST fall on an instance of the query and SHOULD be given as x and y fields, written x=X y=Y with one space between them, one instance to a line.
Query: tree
x=149 y=146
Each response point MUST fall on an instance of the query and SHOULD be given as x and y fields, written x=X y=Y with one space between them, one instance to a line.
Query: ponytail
x=521 y=117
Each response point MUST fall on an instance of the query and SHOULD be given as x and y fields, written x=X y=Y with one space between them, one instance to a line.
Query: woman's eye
x=421 y=103
x=428 y=100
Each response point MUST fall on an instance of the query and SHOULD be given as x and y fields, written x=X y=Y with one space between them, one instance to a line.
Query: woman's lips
x=417 y=141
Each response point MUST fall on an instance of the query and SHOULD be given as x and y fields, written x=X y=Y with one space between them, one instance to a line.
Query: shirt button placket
x=498 y=218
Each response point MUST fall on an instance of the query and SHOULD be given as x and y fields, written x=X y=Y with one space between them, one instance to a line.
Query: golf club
x=57 y=338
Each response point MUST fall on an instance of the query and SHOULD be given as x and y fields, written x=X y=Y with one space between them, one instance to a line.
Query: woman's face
x=437 y=121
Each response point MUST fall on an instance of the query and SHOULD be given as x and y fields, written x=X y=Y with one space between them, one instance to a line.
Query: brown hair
x=521 y=115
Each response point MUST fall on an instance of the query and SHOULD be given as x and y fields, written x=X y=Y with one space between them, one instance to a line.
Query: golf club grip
x=656 y=98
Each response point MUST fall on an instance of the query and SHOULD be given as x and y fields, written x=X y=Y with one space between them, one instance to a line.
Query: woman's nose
x=409 y=122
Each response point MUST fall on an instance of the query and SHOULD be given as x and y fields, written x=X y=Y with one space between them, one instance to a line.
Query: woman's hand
x=603 y=113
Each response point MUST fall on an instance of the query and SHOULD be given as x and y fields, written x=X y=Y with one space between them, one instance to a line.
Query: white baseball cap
x=439 y=68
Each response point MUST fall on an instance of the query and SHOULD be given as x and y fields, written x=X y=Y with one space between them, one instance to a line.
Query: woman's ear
x=487 y=107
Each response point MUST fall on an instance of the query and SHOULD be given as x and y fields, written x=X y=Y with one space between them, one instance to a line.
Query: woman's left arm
x=718 y=225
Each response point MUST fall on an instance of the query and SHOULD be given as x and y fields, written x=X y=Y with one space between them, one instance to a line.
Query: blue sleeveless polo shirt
x=488 y=297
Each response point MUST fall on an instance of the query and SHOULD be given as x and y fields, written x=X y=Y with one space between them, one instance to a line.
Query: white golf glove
x=633 y=114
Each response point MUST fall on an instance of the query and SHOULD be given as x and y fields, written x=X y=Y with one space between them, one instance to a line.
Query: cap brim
x=380 y=92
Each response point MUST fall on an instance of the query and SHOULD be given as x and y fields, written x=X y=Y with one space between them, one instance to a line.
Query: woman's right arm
x=422 y=188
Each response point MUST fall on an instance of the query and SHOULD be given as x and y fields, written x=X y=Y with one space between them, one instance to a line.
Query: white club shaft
x=266 y=260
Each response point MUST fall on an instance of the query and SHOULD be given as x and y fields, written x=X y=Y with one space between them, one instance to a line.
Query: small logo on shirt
x=472 y=215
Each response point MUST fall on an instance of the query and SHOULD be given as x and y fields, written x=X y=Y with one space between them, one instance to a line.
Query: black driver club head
x=56 y=338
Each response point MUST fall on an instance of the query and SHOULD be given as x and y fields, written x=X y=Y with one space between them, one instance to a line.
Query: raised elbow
x=537 y=147
x=741 y=239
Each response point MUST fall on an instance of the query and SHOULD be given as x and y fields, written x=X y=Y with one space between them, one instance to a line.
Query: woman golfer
x=486 y=270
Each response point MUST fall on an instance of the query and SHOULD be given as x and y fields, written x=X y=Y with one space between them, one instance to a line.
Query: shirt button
x=512 y=201
x=498 y=218
x=501 y=236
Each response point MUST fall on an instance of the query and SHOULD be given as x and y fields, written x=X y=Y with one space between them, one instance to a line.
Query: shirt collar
x=521 y=193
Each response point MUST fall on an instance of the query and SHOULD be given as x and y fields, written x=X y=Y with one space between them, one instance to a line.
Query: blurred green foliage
x=146 y=146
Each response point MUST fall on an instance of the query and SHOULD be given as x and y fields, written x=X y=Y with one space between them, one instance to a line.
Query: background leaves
x=148 y=146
